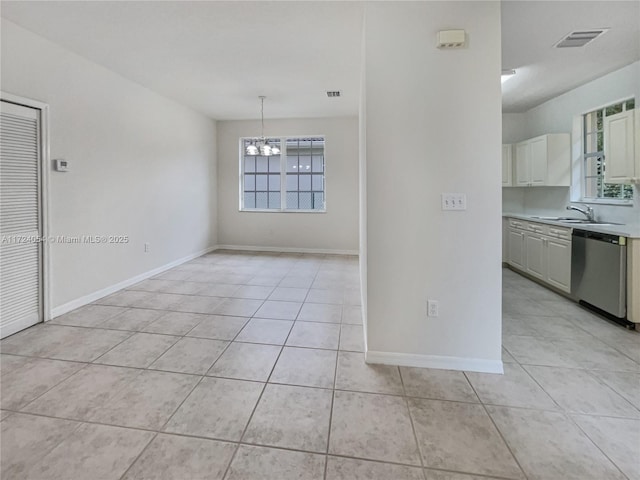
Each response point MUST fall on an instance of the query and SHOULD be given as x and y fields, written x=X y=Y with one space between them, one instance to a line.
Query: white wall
x=514 y=127
x=336 y=230
x=140 y=165
x=433 y=125
x=556 y=116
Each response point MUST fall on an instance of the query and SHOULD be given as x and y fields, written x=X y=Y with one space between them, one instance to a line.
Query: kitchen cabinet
x=619 y=152
x=507 y=165
x=536 y=255
x=543 y=161
x=541 y=251
x=516 y=249
x=523 y=164
x=558 y=261
x=505 y=240
x=515 y=244
x=538 y=160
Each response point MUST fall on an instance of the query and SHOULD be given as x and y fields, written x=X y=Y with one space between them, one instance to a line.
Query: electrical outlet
x=432 y=308
x=147 y=248
x=454 y=201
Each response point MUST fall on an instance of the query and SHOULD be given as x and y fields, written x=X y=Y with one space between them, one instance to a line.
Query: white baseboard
x=322 y=251
x=92 y=297
x=18 y=325
x=435 y=361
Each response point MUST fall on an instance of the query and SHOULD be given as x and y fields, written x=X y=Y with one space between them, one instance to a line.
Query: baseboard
x=18 y=325
x=435 y=361
x=92 y=297
x=322 y=251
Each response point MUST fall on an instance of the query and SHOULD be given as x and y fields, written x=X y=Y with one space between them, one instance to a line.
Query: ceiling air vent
x=580 y=38
x=333 y=93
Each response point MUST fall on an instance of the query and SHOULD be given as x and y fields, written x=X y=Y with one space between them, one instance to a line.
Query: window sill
x=605 y=201
x=273 y=210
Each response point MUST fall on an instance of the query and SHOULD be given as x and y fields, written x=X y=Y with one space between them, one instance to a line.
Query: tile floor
x=249 y=366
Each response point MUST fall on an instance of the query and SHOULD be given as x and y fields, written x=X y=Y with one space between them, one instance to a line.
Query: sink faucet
x=588 y=212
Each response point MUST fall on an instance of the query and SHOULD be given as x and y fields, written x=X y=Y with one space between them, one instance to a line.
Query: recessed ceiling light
x=580 y=38
x=506 y=75
x=333 y=93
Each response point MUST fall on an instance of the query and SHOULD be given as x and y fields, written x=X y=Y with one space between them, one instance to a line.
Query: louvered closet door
x=20 y=225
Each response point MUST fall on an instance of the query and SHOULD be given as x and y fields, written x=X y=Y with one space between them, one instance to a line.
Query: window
x=290 y=181
x=594 y=186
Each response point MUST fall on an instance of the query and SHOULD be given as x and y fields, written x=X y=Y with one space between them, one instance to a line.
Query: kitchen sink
x=577 y=221
x=565 y=219
x=587 y=222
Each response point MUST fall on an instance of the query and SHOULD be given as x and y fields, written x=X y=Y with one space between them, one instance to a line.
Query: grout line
x=254 y=444
x=255 y=407
x=268 y=381
x=504 y=440
x=57 y=444
x=85 y=365
x=138 y=456
x=333 y=397
x=202 y=377
x=569 y=416
x=95 y=362
x=559 y=409
x=413 y=428
x=586 y=434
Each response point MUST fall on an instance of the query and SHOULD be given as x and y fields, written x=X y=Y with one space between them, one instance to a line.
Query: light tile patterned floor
x=249 y=366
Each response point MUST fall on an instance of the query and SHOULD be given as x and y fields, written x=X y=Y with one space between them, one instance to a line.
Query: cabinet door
x=538 y=160
x=523 y=167
x=535 y=255
x=505 y=240
x=507 y=175
x=559 y=264
x=516 y=249
x=619 y=148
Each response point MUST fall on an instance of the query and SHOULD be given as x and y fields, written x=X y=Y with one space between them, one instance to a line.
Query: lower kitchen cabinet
x=516 y=249
x=541 y=251
x=559 y=264
x=536 y=255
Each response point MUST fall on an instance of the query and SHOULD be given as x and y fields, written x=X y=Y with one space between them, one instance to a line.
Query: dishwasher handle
x=601 y=237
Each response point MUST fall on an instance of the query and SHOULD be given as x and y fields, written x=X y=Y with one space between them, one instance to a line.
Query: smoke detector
x=451 y=39
x=333 y=93
x=580 y=38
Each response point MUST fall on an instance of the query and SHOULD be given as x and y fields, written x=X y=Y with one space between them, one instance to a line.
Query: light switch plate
x=61 y=165
x=454 y=201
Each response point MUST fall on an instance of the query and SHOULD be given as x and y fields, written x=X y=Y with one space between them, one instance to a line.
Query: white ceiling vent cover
x=580 y=38
x=451 y=39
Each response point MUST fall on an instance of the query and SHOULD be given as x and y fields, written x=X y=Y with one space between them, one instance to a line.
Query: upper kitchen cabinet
x=507 y=165
x=544 y=161
x=622 y=162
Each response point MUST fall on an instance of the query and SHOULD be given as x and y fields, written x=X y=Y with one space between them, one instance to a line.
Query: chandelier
x=260 y=146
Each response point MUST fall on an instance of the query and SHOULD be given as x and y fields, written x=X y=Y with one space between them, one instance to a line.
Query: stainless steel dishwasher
x=599 y=272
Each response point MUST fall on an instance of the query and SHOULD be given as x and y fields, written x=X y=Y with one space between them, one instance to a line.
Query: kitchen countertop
x=630 y=231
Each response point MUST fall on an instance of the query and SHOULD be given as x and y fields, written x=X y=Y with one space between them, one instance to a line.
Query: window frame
x=283 y=176
x=584 y=155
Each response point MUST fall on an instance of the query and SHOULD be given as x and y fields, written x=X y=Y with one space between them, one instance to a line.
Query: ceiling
x=530 y=29
x=218 y=57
